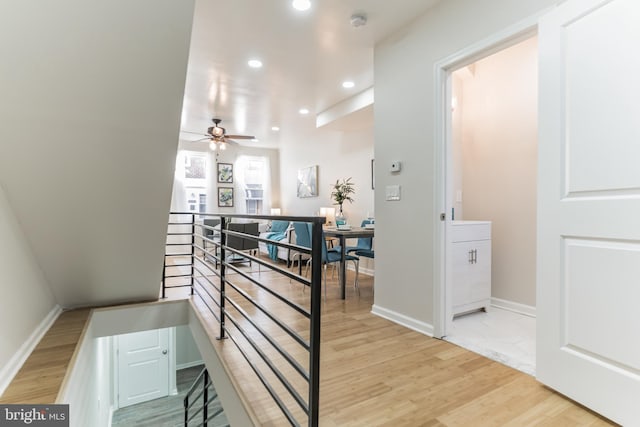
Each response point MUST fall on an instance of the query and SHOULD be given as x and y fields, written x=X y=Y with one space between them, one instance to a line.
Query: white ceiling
x=306 y=56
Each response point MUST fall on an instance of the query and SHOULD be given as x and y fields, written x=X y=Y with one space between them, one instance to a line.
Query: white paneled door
x=588 y=343
x=143 y=366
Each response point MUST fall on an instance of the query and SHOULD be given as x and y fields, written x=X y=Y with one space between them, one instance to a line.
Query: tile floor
x=500 y=335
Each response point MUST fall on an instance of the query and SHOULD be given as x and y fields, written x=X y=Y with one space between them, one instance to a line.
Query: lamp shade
x=329 y=214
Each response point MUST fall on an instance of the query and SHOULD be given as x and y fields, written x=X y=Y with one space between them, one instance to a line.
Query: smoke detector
x=358 y=20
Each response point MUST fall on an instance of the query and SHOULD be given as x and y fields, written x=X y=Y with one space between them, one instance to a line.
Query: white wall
x=27 y=298
x=405 y=112
x=338 y=155
x=499 y=150
x=187 y=353
x=90 y=111
x=88 y=384
x=456 y=142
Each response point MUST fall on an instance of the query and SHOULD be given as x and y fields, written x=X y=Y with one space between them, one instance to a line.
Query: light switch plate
x=392 y=192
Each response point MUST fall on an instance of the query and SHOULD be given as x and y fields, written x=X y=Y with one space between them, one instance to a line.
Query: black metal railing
x=262 y=320
x=198 y=402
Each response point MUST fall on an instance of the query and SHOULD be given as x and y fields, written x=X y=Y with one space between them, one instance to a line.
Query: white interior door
x=143 y=366
x=588 y=339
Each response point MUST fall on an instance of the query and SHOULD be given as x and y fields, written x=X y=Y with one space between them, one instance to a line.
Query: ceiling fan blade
x=193 y=133
x=240 y=136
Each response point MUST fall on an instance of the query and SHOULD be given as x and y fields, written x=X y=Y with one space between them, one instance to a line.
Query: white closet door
x=143 y=370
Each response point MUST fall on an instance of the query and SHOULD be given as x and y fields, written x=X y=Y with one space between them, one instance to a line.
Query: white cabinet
x=471 y=275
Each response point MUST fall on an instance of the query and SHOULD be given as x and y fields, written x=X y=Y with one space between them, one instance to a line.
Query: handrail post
x=164 y=274
x=316 y=298
x=186 y=410
x=223 y=279
x=193 y=247
x=205 y=394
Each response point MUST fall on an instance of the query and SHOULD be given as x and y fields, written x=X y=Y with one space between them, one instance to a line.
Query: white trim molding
x=507 y=37
x=401 y=319
x=9 y=371
x=516 y=307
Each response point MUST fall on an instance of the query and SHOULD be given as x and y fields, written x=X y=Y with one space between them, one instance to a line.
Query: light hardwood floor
x=377 y=373
x=373 y=372
x=41 y=376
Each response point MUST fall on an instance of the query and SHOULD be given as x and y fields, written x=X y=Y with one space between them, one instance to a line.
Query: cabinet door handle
x=470 y=256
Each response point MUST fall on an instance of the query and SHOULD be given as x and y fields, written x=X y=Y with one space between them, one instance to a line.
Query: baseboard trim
x=9 y=371
x=401 y=319
x=190 y=365
x=362 y=270
x=516 y=307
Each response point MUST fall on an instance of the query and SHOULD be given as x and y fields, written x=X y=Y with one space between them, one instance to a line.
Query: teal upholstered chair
x=364 y=243
x=334 y=256
x=303 y=238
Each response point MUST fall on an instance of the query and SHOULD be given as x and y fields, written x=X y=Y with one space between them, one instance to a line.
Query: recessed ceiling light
x=303 y=111
x=301 y=4
x=348 y=84
x=255 y=140
x=275 y=128
x=255 y=63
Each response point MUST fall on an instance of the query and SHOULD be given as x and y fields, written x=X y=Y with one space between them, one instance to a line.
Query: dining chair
x=364 y=243
x=334 y=256
x=303 y=238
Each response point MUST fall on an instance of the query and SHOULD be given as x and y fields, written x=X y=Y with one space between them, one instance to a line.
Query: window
x=196 y=199
x=195 y=166
x=254 y=175
x=253 y=196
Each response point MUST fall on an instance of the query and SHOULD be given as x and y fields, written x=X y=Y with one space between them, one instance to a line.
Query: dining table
x=342 y=234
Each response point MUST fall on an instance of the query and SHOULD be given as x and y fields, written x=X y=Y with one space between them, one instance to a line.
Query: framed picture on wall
x=308 y=182
x=225 y=197
x=225 y=173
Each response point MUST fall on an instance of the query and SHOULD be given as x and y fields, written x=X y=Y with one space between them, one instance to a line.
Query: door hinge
x=443 y=216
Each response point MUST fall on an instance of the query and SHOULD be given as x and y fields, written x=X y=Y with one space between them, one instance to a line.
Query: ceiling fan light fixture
x=217 y=131
x=223 y=145
x=213 y=146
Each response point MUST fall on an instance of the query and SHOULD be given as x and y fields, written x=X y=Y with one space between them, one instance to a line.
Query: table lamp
x=329 y=214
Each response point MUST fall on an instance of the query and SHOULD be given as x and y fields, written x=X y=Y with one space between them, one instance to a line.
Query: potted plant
x=342 y=191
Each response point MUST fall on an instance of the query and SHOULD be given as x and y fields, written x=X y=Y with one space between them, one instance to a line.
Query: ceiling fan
x=218 y=138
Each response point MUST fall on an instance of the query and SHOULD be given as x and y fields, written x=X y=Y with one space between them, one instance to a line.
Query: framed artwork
x=373 y=174
x=225 y=197
x=308 y=182
x=225 y=173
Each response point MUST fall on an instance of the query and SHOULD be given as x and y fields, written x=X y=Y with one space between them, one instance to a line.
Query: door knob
x=164 y=351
